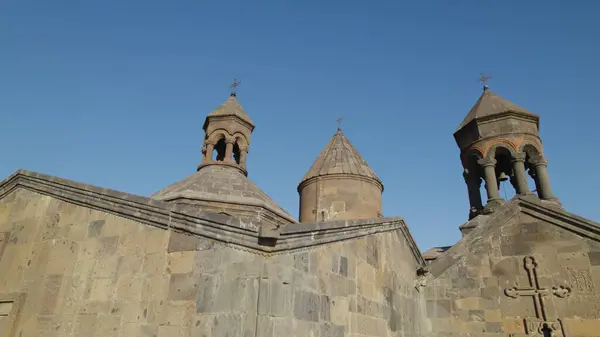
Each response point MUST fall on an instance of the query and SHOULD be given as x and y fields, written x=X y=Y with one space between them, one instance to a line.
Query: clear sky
x=114 y=93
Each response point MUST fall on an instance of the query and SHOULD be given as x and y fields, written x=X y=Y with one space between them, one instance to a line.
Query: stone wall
x=339 y=198
x=482 y=286
x=358 y=288
x=71 y=271
x=68 y=270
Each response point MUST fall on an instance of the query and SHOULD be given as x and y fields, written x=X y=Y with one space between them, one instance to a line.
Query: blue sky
x=114 y=93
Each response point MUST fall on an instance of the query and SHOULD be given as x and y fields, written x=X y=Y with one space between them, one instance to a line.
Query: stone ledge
x=219 y=227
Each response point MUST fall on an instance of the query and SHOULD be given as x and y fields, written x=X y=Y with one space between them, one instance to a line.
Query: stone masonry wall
x=339 y=199
x=358 y=288
x=70 y=271
x=486 y=290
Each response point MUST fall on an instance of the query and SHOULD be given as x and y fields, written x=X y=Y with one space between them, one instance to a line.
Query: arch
x=217 y=135
x=530 y=149
x=471 y=155
x=241 y=141
x=503 y=145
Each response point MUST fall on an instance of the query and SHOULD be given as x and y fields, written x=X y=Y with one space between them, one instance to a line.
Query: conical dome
x=490 y=104
x=340 y=157
x=231 y=107
x=339 y=185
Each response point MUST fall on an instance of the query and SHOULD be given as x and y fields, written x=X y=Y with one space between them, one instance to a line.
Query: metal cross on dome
x=483 y=78
x=234 y=86
x=339 y=121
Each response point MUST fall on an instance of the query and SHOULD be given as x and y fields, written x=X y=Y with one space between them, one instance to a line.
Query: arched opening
x=475 y=188
x=505 y=174
x=530 y=153
x=219 y=150
x=236 y=153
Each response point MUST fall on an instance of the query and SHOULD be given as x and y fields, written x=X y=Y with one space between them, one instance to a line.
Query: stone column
x=541 y=171
x=473 y=182
x=229 y=152
x=491 y=183
x=209 y=152
x=520 y=175
x=243 y=153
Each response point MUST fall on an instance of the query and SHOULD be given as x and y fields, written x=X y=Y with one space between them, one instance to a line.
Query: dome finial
x=483 y=78
x=233 y=87
x=339 y=121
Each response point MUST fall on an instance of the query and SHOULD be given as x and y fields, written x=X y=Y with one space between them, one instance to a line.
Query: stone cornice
x=532 y=206
x=225 y=229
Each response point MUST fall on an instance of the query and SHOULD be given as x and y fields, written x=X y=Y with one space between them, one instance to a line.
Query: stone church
x=212 y=255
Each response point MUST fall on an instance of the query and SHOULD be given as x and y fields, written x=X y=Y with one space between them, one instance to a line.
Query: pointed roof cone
x=340 y=157
x=231 y=107
x=490 y=104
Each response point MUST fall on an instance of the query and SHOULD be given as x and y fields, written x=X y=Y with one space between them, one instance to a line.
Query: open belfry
x=212 y=255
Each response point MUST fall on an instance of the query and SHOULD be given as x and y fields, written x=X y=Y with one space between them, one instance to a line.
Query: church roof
x=339 y=157
x=196 y=222
x=490 y=104
x=221 y=184
x=231 y=107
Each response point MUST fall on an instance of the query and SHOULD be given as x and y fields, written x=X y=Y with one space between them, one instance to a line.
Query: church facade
x=212 y=255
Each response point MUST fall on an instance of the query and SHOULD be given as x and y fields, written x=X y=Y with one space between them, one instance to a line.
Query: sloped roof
x=339 y=157
x=182 y=220
x=221 y=184
x=490 y=104
x=529 y=205
x=231 y=107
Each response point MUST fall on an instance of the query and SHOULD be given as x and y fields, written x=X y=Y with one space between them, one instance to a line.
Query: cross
x=339 y=121
x=540 y=325
x=233 y=86
x=483 y=78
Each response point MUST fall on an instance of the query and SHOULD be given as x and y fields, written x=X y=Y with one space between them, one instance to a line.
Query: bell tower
x=227 y=135
x=500 y=141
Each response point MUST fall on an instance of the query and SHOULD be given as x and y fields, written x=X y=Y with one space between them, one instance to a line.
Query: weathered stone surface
x=491 y=270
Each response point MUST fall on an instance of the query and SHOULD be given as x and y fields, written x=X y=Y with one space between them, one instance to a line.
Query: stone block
x=181 y=262
x=156 y=288
x=173 y=331
x=183 y=287
x=594 y=258
x=95 y=228
x=306 y=305
x=332 y=330
x=339 y=310
x=107 y=246
x=226 y=325
x=155 y=264
x=106 y=267
x=280 y=298
x=130 y=288
x=325 y=308
x=180 y=242
x=344 y=266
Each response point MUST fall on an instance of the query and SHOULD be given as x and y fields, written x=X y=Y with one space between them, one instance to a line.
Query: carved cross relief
x=541 y=325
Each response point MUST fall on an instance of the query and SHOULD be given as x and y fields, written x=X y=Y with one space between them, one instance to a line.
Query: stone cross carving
x=541 y=325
